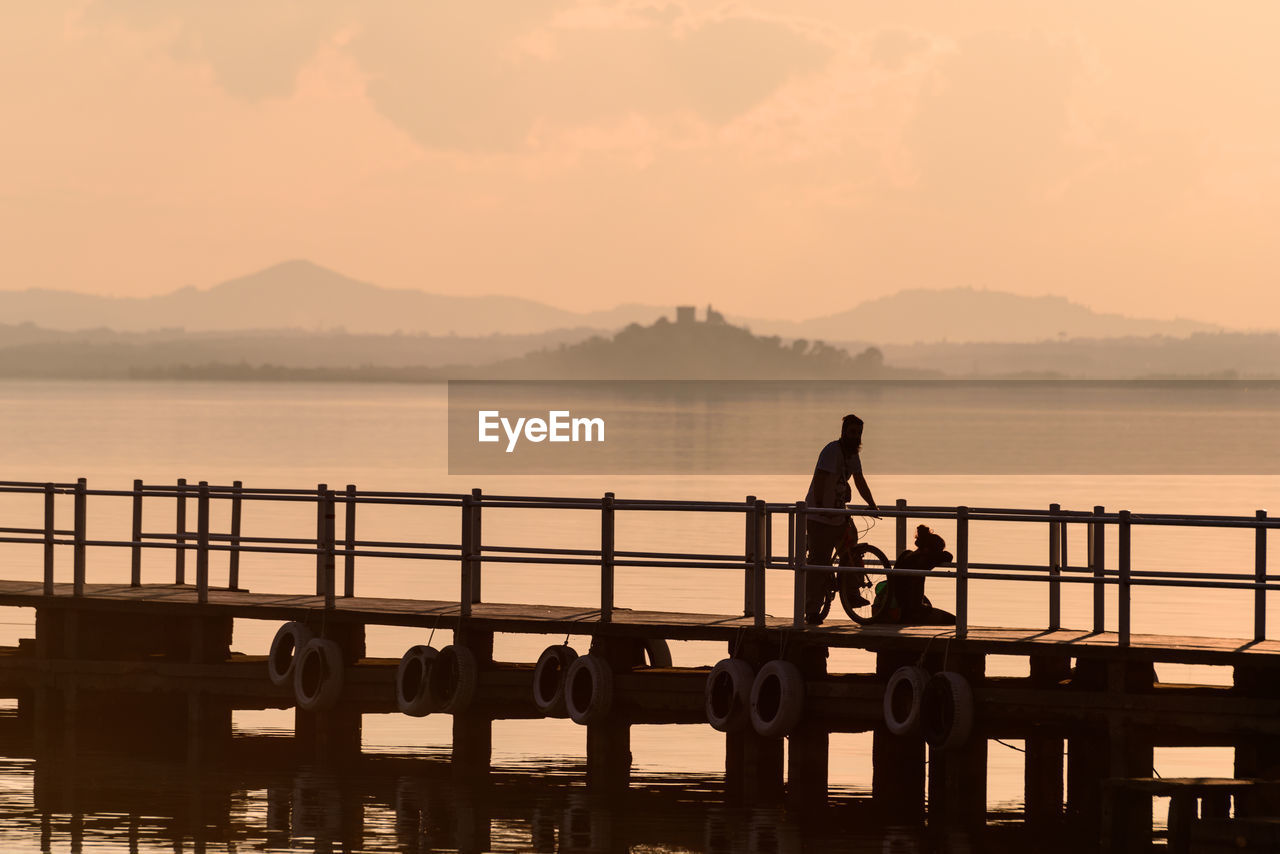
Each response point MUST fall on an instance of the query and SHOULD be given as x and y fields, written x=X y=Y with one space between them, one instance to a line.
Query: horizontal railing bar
x=66 y=532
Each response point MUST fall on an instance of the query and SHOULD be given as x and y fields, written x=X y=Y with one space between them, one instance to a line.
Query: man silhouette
x=837 y=463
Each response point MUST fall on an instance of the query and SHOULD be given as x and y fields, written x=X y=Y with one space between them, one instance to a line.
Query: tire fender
x=451 y=684
x=317 y=676
x=588 y=689
x=657 y=652
x=285 y=646
x=947 y=710
x=548 y=679
x=903 y=697
x=728 y=695
x=412 y=675
x=777 y=699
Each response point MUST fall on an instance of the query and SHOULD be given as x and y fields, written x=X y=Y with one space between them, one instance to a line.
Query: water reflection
x=256 y=796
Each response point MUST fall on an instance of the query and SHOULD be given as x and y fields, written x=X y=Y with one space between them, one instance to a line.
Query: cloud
x=993 y=122
x=255 y=49
x=484 y=75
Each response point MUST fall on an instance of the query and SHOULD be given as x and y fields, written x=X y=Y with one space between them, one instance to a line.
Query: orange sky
x=775 y=158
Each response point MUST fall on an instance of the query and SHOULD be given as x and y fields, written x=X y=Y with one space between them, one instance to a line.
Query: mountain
x=967 y=314
x=303 y=295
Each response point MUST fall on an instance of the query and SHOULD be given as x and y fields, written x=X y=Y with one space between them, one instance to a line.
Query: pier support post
x=809 y=744
x=473 y=729
x=898 y=761
x=609 y=740
x=753 y=763
x=958 y=777
x=334 y=735
x=1046 y=751
x=1110 y=750
x=1258 y=756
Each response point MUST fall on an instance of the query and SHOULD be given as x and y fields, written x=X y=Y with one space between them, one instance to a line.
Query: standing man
x=829 y=488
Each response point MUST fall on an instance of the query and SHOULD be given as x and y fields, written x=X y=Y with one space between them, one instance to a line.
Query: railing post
x=321 y=489
x=49 y=533
x=180 y=535
x=900 y=529
x=477 y=545
x=1122 y=595
x=135 y=551
x=77 y=588
x=798 y=560
x=962 y=573
x=1260 y=577
x=468 y=521
x=749 y=558
x=606 y=558
x=762 y=526
x=1098 y=560
x=202 y=543
x=1055 y=569
x=233 y=557
x=330 y=568
x=349 y=544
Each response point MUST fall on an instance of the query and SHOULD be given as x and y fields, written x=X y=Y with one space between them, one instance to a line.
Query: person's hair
x=928 y=539
x=851 y=418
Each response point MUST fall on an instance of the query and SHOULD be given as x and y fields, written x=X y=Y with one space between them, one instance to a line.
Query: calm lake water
x=394 y=437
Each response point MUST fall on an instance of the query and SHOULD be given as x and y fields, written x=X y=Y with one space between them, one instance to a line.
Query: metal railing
x=756 y=558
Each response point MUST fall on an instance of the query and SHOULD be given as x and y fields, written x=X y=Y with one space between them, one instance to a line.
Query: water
x=393 y=437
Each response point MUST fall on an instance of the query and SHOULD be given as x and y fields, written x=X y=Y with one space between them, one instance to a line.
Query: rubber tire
x=548 y=679
x=912 y=679
x=588 y=689
x=657 y=652
x=418 y=703
x=777 y=699
x=318 y=690
x=451 y=685
x=297 y=635
x=728 y=695
x=947 y=716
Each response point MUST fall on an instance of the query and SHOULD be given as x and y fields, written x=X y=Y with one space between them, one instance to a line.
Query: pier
x=157 y=661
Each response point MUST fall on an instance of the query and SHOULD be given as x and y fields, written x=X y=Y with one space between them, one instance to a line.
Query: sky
x=778 y=159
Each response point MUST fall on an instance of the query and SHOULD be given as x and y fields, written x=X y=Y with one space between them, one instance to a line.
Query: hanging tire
x=548 y=679
x=947 y=710
x=657 y=652
x=777 y=699
x=412 y=697
x=317 y=676
x=285 y=646
x=903 y=697
x=728 y=695
x=451 y=684
x=588 y=689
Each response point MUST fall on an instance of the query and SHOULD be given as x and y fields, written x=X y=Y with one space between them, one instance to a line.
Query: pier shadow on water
x=140 y=791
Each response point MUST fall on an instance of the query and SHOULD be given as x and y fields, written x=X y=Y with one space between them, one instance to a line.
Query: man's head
x=851 y=432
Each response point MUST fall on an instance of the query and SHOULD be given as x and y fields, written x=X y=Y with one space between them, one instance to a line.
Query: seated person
x=907 y=600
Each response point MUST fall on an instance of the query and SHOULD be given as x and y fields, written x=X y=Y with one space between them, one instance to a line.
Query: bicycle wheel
x=861 y=592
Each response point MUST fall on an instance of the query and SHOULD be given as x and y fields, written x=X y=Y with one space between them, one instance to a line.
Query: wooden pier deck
x=517 y=618
x=158 y=658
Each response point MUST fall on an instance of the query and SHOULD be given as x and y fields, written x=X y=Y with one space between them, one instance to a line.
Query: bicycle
x=863 y=585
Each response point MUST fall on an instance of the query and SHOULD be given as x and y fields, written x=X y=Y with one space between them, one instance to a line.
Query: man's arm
x=865 y=491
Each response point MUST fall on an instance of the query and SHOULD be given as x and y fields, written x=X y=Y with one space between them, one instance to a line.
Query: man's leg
x=822 y=541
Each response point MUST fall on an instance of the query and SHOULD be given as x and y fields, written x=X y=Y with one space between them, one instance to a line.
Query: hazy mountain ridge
x=972 y=315
x=303 y=295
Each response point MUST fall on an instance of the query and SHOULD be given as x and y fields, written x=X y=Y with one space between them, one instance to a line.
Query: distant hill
x=1218 y=355
x=966 y=314
x=302 y=295
x=695 y=350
